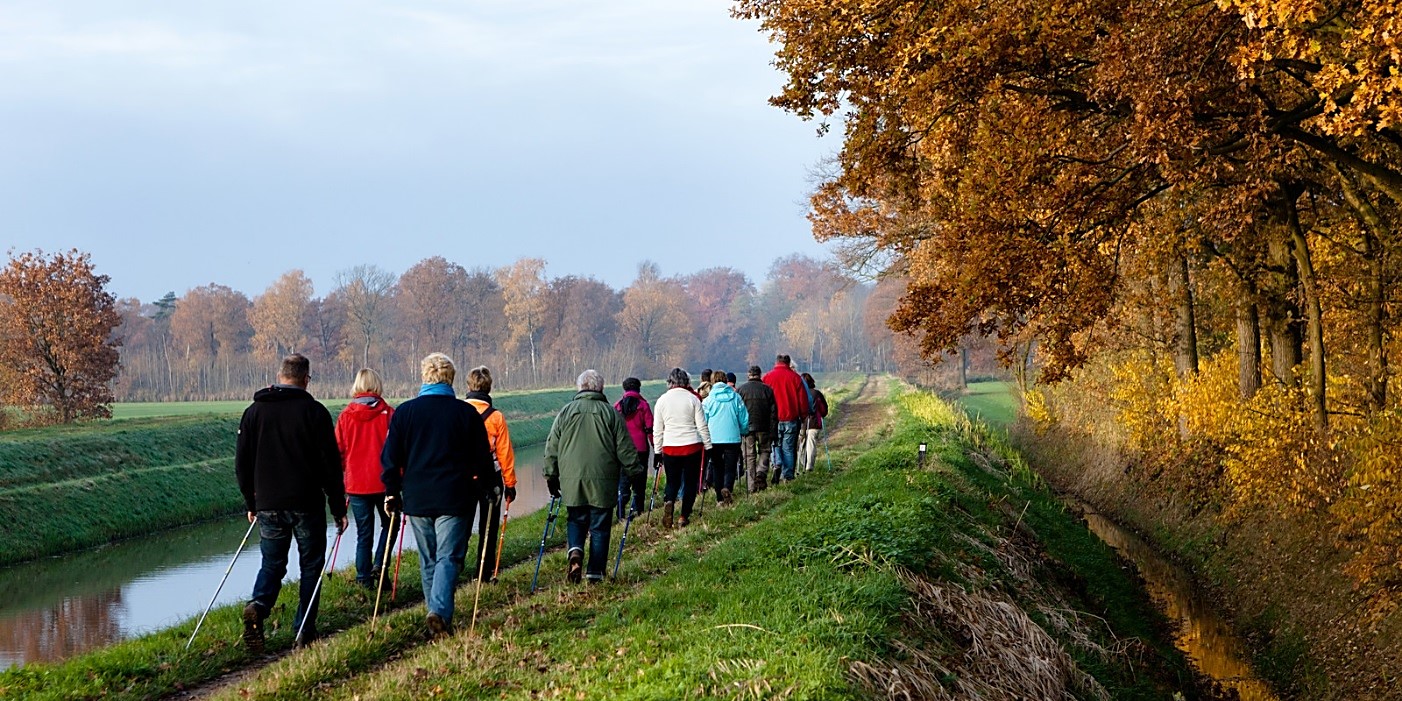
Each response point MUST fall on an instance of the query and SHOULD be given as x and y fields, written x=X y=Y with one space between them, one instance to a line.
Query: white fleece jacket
x=678 y=419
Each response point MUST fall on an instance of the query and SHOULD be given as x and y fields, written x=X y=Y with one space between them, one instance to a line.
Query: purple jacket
x=640 y=423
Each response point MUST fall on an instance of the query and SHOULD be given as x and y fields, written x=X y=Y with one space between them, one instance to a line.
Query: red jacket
x=789 y=393
x=360 y=434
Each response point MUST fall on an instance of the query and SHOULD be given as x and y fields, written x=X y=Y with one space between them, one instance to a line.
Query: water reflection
x=57 y=607
x=1202 y=634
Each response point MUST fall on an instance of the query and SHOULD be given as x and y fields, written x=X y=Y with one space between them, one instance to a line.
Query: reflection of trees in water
x=1203 y=634
x=75 y=625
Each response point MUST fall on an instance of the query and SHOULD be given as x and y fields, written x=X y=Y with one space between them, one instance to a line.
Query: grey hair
x=590 y=381
x=678 y=378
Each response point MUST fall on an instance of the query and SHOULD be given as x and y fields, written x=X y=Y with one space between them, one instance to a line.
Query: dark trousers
x=631 y=489
x=369 y=549
x=488 y=530
x=276 y=529
x=725 y=460
x=684 y=475
x=594 y=523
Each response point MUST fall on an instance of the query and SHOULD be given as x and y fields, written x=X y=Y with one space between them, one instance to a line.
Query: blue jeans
x=595 y=523
x=276 y=529
x=788 y=447
x=369 y=558
x=442 y=548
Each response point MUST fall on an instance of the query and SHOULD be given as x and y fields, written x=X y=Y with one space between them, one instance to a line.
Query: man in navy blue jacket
x=289 y=470
x=438 y=463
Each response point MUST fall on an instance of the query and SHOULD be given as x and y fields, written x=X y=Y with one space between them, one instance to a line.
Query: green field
x=993 y=402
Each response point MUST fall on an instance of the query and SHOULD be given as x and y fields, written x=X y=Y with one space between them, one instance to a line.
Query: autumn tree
x=365 y=291
x=652 y=323
x=523 y=288
x=56 y=335
x=211 y=333
x=279 y=316
x=430 y=302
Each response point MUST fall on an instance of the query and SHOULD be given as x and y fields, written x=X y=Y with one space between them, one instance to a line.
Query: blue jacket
x=725 y=414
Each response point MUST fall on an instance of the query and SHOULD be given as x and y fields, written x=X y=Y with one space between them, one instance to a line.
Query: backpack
x=492 y=441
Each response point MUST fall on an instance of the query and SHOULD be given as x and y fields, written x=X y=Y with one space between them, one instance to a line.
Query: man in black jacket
x=758 y=439
x=289 y=470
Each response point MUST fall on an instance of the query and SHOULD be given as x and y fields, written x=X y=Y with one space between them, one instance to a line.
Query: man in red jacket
x=792 y=401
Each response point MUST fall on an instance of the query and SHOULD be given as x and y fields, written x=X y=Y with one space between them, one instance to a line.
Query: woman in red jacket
x=360 y=433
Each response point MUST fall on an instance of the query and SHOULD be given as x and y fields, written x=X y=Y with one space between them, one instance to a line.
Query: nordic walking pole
x=701 y=486
x=316 y=591
x=501 y=537
x=549 y=521
x=331 y=565
x=624 y=541
x=394 y=588
x=244 y=542
x=826 y=452
x=384 y=565
x=656 y=465
x=481 y=565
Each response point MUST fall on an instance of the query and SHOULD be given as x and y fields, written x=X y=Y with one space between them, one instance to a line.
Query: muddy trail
x=508 y=605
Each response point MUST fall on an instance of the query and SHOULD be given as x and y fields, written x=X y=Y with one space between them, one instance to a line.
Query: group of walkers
x=440 y=461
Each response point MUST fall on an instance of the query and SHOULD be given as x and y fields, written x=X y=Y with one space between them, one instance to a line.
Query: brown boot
x=667 y=508
x=576 y=570
x=724 y=496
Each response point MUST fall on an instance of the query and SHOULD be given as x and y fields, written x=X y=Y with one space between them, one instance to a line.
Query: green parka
x=587 y=447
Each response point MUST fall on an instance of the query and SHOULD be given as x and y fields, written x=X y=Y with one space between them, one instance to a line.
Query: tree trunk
x=963 y=368
x=1185 y=333
x=1281 y=311
x=1375 y=307
x=1314 y=316
x=1248 y=343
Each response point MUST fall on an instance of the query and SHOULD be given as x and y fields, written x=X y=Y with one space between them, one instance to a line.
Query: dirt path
x=865 y=415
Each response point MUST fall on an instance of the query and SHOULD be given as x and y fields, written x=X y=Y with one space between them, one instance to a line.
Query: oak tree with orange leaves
x=56 y=336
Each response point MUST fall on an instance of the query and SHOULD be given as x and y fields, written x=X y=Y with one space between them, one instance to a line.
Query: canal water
x=58 y=607
x=1203 y=635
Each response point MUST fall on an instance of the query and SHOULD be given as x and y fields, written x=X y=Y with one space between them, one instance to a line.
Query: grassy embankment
x=963 y=578
x=68 y=487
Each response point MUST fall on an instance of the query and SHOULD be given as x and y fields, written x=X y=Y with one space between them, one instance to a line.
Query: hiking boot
x=667 y=509
x=724 y=496
x=437 y=627
x=253 y=628
x=576 y=566
x=682 y=522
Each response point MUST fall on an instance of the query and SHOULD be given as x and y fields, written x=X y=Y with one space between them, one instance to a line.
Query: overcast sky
x=183 y=143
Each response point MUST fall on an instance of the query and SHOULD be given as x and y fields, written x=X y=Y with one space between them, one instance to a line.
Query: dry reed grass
x=1004 y=653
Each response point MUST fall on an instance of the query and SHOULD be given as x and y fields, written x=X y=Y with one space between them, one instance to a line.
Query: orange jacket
x=360 y=434
x=500 y=437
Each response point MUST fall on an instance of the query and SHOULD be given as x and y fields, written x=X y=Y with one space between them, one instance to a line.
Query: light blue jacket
x=725 y=414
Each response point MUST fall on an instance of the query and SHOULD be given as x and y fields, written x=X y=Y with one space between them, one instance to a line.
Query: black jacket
x=439 y=457
x=759 y=401
x=286 y=457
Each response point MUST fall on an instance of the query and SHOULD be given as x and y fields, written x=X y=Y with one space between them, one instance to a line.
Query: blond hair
x=479 y=379
x=368 y=381
x=437 y=368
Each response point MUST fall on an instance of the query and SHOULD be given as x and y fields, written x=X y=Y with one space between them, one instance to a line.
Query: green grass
x=776 y=597
x=995 y=402
x=64 y=488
